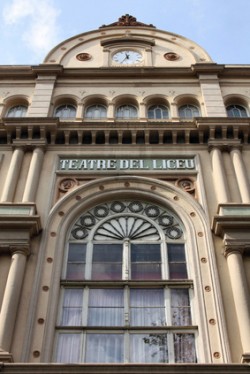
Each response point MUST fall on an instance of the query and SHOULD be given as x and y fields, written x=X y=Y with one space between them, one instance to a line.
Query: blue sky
x=30 y=28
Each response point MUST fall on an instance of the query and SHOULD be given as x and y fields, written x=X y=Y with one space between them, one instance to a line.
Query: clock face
x=127 y=57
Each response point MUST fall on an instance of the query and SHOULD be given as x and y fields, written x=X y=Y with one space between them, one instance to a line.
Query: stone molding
x=8 y=368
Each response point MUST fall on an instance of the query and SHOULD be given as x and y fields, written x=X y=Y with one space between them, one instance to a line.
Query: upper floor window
x=126 y=112
x=65 y=111
x=188 y=111
x=236 y=111
x=96 y=112
x=158 y=112
x=126 y=295
x=17 y=111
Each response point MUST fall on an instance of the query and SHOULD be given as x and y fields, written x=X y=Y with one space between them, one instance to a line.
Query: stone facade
x=132 y=124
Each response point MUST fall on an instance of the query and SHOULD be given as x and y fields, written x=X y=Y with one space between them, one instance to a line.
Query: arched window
x=188 y=111
x=17 y=111
x=65 y=111
x=126 y=112
x=96 y=112
x=126 y=288
x=236 y=111
x=158 y=112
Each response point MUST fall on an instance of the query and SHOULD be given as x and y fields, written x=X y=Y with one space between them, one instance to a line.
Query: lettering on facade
x=79 y=164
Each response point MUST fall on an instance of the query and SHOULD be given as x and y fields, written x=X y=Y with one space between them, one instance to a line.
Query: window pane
x=106 y=307
x=17 y=111
x=184 y=348
x=147 y=307
x=126 y=111
x=104 y=348
x=68 y=348
x=158 y=112
x=177 y=261
x=180 y=307
x=96 y=111
x=76 y=261
x=188 y=111
x=148 y=348
x=107 y=261
x=65 y=111
x=145 y=261
x=72 y=307
x=236 y=111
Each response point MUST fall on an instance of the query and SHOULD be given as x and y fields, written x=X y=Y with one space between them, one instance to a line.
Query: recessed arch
x=83 y=198
x=16 y=106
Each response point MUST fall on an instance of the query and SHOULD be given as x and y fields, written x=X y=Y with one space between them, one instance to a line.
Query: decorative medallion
x=171 y=56
x=117 y=207
x=152 y=211
x=67 y=184
x=79 y=233
x=87 y=220
x=101 y=211
x=166 y=220
x=173 y=232
x=83 y=56
x=186 y=184
x=135 y=206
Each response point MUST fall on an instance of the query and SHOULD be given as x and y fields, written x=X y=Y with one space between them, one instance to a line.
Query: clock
x=127 y=57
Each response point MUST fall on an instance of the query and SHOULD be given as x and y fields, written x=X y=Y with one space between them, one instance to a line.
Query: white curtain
x=104 y=348
x=147 y=307
x=106 y=307
x=72 y=307
x=148 y=348
x=184 y=348
x=68 y=348
x=180 y=307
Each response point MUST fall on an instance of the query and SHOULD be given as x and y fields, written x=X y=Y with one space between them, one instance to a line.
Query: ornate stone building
x=125 y=208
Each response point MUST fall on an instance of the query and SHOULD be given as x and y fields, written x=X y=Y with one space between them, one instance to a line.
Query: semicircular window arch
x=236 y=111
x=97 y=111
x=126 y=280
x=158 y=112
x=65 y=111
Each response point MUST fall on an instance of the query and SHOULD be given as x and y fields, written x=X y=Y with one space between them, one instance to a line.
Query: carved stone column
x=11 y=299
x=241 y=175
x=33 y=175
x=241 y=294
x=219 y=176
x=13 y=175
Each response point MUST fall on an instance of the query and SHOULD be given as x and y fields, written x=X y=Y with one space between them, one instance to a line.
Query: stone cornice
x=9 y=368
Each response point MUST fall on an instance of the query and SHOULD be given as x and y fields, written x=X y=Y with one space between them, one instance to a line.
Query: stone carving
x=127 y=20
x=67 y=184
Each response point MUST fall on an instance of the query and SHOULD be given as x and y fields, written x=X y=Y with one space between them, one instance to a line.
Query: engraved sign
x=85 y=164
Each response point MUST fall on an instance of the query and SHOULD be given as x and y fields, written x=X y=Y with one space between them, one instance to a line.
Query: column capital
x=22 y=249
x=235 y=246
x=224 y=145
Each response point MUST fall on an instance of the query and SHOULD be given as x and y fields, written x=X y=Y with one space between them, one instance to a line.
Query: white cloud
x=37 y=20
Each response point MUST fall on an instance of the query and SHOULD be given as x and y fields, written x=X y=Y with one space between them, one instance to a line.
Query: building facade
x=125 y=207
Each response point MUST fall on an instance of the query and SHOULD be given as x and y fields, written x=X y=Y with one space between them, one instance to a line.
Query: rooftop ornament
x=127 y=20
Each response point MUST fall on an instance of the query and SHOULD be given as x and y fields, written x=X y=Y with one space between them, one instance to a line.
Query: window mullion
x=170 y=340
x=85 y=306
x=125 y=264
x=167 y=303
x=89 y=255
x=126 y=306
